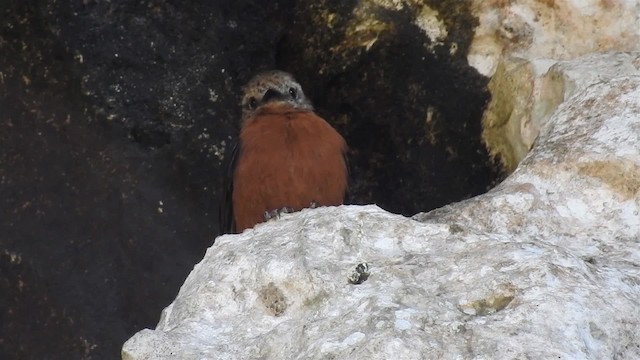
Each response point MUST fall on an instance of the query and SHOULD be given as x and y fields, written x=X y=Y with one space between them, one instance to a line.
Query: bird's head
x=271 y=87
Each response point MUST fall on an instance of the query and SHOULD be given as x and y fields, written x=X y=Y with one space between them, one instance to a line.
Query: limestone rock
x=516 y=42
x=526 y=93
x=547 y=265
x=559 y=29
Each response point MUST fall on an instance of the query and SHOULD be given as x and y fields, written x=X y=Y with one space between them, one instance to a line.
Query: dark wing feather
x=227 y=224
x=347 y=195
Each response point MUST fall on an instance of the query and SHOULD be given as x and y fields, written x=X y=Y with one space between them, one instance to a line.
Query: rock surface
x=551 y=29
x=517 y=41
x=524 y=97
x=546 y=265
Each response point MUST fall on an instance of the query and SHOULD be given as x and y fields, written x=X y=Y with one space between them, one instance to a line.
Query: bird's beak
x=272 y=95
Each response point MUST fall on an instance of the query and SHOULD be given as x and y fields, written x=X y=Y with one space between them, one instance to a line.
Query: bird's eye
x=293 y=93
x=253 y=103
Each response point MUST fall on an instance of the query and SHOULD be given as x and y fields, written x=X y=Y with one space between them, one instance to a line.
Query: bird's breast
x=287 y=158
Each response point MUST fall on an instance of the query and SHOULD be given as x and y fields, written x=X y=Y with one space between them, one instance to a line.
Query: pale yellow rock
x=551 y=29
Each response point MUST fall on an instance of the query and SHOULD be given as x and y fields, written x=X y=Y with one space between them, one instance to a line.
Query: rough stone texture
x=517 y=41
x=524 y=97
x=504 y=120
x=551 y=29
x=546 y=265
x=115 y=117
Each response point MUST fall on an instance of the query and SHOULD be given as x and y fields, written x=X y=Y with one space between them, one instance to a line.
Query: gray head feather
x=272 y=86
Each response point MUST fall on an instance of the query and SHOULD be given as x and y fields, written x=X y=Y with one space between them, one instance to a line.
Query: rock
x=24 y=297
x=526 y=93
x=557 y=30
x=546 y=265
x=510 y=108
x=517 y=41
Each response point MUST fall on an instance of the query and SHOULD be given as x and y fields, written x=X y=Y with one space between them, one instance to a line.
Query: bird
x=285 y=157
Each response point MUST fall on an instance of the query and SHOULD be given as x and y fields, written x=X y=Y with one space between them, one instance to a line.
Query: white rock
x=546 y=265
x=558 y=29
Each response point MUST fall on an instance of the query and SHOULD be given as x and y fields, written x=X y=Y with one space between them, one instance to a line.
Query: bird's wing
x=347 y=197
x=227 y=225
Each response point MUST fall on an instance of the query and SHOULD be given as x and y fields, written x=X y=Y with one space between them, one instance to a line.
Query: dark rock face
x=114 y=118
x=408 y=108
